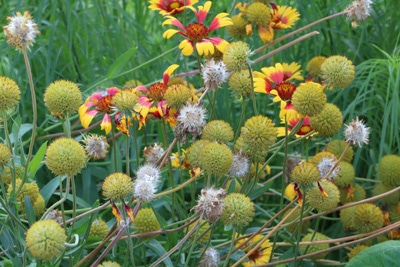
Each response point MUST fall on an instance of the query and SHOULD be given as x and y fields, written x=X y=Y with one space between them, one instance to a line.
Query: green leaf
x=36 y=161
x=30 y=213
x=159 y=250
x=120 y=62
x=48 y=190
x=382 y=254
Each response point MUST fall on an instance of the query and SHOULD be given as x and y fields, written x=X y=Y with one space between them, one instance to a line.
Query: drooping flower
x=170 y=7
x=197 y=34
x=101 y=102
x=261 y=255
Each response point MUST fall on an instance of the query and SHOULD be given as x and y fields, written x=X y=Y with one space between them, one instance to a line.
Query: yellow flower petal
x=186 y=47
x=169 y=33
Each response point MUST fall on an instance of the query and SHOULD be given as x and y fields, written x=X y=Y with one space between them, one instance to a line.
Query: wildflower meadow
x=199 y=133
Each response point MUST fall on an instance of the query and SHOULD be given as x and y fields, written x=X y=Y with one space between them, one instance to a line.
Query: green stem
x=127 y=153
x=67 y=126
x=73 y=196
x=34 y=112
x=231 y=246
x=171 y=175
x=135 y=139
x=64 y=197
x=242 y=116
x=252 y=95
x=114 y=145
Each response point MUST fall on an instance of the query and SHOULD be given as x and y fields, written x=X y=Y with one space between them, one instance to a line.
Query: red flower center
x=196 y=32
x=104 y=104
x=156 y=91
x=254 y=256
x=285 y=90
x=173 y=7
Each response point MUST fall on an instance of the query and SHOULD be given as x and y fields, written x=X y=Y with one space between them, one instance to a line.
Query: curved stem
x=61 y=200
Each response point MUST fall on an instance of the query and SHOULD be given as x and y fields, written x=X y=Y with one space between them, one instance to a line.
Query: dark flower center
x=104 y=104
x=173 y=7
x=285 y=90
x=196 y=32
x=156 y=91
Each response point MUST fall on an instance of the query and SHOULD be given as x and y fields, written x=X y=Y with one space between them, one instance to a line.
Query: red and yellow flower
x=304 y=129
x=261 y=255
x=197 y=34
x=277 y=81
x=283 y=17
x=170 y=7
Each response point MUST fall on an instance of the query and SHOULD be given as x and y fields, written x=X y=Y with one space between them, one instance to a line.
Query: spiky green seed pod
x=62 y=97
x=216 y=159
x=203 y=234
x=146 y=221
x=389 y=170
x=28 y=189
x=389 y=199
x=337 y=147
x=125 y=100
x=65 y=156
x=238 y=29
x=295 y=216
x=193 y=151
x=347 y=218
x=9 y=93
x=240 y=83
x=328 y=121
x=238 y=211
x=357 y=194
x=99 y=228
x=368 y=217
x=218 y=131
x=117 y=185
x=354 y=251
x=346 y=176
x=45 y=240
x=309 y=99
x=258 y=13
x=314 y=65
x=314 y=248
x=320 y=202
x=259 y=133
x=236 y=56
x=305 y=174
x=337 y=71
x=5 y=154
x=177 y=95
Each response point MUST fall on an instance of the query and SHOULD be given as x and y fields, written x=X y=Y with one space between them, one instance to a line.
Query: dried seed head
x=211 y=203
x=356 y=133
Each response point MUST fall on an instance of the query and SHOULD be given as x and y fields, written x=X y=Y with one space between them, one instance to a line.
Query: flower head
x=146 y=221
x=305 y=174
x=309 y=99
x=117 y=185
x=261 y=255
x=240 y=165
x=109 y=264
x=328 y=121
x=238 y=210
x=218 y=131
x=153 y=154
x=210 y=258
x=283 y=17
x=10 y=93
x=240 y=83
x=321 y=202
x=197 y=34
x=62 y=97
x=356 y=133
x=389 y=170
x=96 y=146
x=337 y=147
x=358 y=10
x=98 y=228
x=148 y=172
x=337 y=71
x=170 y=7
x=304 y=129
x=100 y=103
x=216 y=159
x=45 y=240
x=214 y=73
x=368 y=217
x=21 y=31
x=211 y=203
x=314 y=248
x=191 y=119
x=5 y=154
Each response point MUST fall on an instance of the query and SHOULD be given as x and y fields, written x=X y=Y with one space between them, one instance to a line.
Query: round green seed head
x=352 y=194
x=320 y=155
x=216 y=159
x=337 y=71
x=62 y=97
x=328 y=121
x=305 y=174
x=125 y=100
x=309 y=99
x=65 y=156
x=346 y=176
x=238 y=29
x=218 y=131
x=337 y=147
x=240 y=83
x=177 y=95
x=314 y=65
x=99 y=228
x=394 y=212
x=9 y=93
x=146 y=221
x=238 y=211
x=354 y=251
x=117 y=185
x=28 y=189
x=320 y=202
x=45 y=240
x=39 y=205
x=109 y=264
x=389 y=199
x=258 y=13
x=347 y=218
x=368 y=217
x=236 y=56
x=193 y=151
x=258 y=133
x=314 y=248
x=389 y=170
x=203 y=234
x=295 y=216
x=5 y=154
